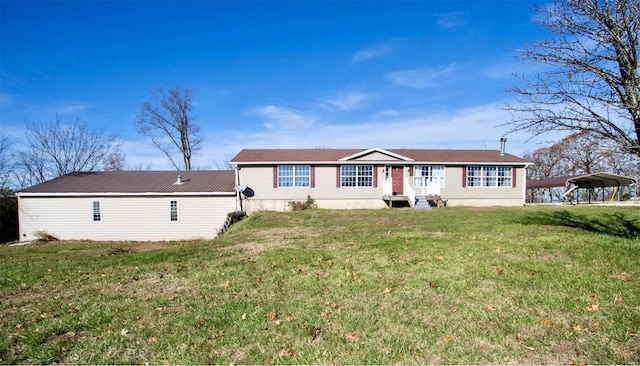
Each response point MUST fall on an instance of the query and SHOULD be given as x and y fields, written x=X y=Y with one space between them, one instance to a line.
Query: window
x=489 y=176
x=425 y=174
x=294 y=176
x=97 y=212
x=356 y=176
x=174 y=211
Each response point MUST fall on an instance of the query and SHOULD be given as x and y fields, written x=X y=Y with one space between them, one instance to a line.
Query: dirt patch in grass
x=282 y=237
x=93 y=248
x=258 y=247
x=62 y=337
x=121 y=250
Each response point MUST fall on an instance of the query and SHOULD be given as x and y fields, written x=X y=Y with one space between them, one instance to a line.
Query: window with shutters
x=294 y=176
x=356 y=176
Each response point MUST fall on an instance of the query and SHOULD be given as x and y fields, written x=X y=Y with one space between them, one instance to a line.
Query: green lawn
x=525 y=285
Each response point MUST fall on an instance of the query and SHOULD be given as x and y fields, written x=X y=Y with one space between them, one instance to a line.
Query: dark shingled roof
x=202 y=181
x=334 y=155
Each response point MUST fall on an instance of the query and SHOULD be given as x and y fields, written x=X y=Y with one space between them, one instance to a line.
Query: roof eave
x=119 y=194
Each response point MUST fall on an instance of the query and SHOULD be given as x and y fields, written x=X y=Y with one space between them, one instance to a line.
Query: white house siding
x=325 y=192
x=457 y=195
x=327 y=195
x=136 y=218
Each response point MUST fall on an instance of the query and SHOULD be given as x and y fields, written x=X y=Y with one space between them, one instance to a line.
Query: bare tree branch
x=592 y=81
x=6 y=162
x=58 y=148
x=169 y=125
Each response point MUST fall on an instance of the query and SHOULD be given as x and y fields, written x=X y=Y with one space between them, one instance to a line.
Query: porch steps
x=426 y=202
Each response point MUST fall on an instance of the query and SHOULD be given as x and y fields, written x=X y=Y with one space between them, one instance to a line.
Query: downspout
x=524 y=186
x=238 y=197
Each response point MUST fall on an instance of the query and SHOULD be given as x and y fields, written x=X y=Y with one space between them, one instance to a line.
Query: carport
x=586 y=181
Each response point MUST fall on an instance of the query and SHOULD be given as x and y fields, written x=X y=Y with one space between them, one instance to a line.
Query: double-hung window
x=489 y=176
x=294 y=176
x=173 y=211
x=97 y=211
x=356 y=176
x=425 y=174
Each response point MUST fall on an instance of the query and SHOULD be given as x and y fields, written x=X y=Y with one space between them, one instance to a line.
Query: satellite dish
x=247 y=191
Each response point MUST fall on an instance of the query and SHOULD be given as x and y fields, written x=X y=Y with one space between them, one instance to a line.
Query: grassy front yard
x=448 y=286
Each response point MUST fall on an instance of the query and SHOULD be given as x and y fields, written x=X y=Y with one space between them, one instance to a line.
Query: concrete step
x=426 y=202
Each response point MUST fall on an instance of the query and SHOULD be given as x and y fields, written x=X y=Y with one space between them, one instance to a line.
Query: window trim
x=357 y=176
x=93 y=211
x=294 y=176
x=171 y=211
x=489 y=173
x=311 y=177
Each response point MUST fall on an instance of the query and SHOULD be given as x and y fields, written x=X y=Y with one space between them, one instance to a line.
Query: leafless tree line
x=57 y=148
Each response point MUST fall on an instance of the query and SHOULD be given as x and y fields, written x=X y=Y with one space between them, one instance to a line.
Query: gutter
x=122 y=194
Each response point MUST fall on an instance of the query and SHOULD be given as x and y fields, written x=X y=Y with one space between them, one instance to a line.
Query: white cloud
x=141 y=153
x=347 y=100
x=451 y=19
x=467 y=128
x=421 y=78
x=371 y=52
x=275 y=117
x=473 y=127
x=67 y=107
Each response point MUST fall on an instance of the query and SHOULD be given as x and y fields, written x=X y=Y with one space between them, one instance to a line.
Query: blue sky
x=335 y=74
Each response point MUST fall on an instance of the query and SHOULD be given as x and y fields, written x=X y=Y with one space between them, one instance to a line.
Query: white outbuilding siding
x=124 y=217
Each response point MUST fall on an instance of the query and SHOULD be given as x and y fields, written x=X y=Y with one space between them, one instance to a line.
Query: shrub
x=44 y=237
x=303 y=205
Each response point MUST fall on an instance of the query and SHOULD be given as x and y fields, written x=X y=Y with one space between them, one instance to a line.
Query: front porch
x=397 y=201
x=419 y=202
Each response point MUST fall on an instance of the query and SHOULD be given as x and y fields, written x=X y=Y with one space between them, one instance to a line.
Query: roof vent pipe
x=179 y=180
x=503 y=143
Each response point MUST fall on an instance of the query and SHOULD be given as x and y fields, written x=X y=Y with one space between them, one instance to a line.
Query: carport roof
x=583 y=181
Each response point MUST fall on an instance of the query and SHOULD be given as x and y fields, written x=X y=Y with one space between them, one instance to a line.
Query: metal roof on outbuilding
x=193 y=181
x=593 y=180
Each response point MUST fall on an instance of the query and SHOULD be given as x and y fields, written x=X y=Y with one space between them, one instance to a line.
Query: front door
x=397 y=178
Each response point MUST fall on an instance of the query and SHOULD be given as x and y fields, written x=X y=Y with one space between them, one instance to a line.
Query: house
x=165 y=205
x=141 y=205
x=378 y=178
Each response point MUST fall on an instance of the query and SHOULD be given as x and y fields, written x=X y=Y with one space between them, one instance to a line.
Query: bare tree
x=115 y=160
x=6 y=162
x=169 y=124
x=590 y=76
x=58 y=148
x=225 y=162
x=546 y=164
x=578 y=153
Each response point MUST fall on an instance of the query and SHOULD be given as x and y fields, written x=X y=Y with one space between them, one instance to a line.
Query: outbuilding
x=128 y=205
x=573 y=183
